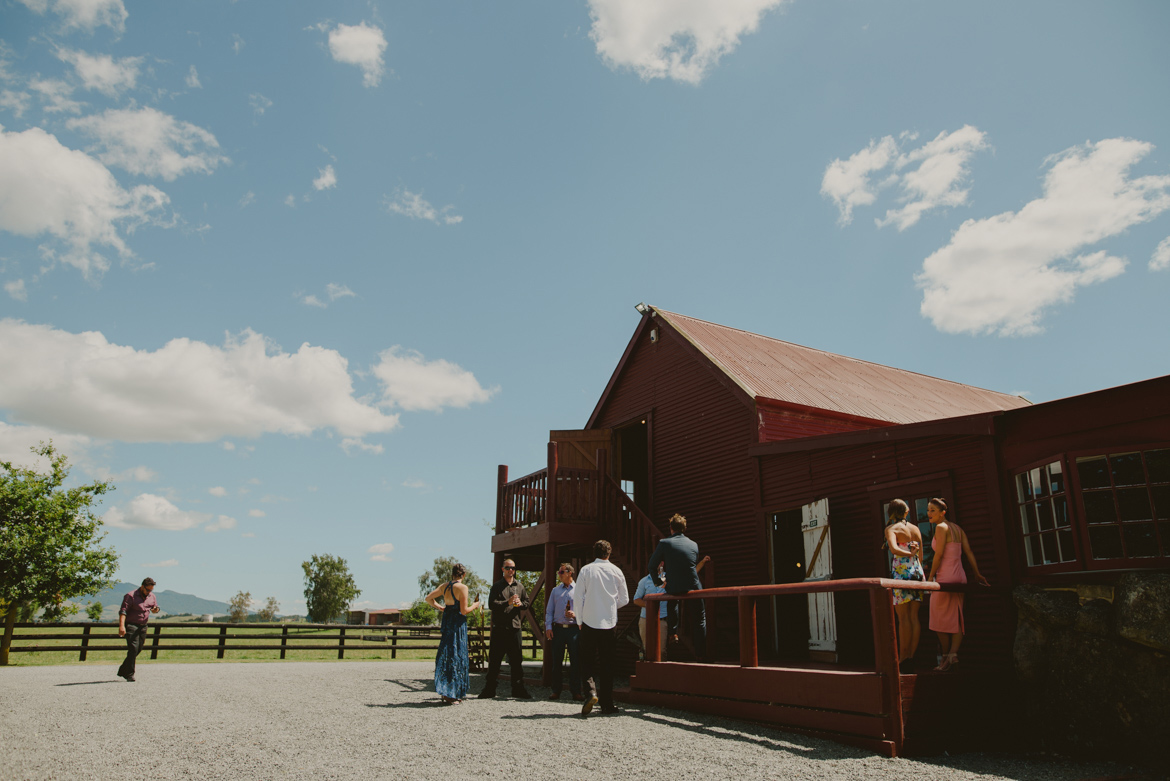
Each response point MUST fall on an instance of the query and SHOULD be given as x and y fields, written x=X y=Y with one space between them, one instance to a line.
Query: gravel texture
x=382 y=720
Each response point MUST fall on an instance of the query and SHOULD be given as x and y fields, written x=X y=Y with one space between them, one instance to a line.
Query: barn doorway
x=787 y=565
x=632 y=442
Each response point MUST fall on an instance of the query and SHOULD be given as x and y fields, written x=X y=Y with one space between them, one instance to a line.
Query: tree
x=238 y=607
x=49 y=538
x=329 y=587
x=267 y=613
x=94 y=611
x=420 y=614
x=440 y=573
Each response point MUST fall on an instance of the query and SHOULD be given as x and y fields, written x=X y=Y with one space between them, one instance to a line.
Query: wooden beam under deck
x=544 y=533
x=826 y=689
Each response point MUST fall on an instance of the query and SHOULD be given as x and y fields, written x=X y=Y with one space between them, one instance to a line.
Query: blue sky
x=297 y=282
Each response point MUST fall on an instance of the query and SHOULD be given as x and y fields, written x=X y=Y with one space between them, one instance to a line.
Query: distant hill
x=169 y=601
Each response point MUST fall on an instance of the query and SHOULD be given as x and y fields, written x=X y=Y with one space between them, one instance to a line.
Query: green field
x=238 y=650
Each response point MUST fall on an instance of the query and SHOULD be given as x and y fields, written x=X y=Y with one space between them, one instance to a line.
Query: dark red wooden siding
x=701 y=431
x=776 y=423
x=845 y=474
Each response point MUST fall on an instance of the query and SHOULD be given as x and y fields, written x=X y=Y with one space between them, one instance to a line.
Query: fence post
x=283 y=640
x=394 y=643
x=154 y=641
x=341 y=644
x=84 y=643
x=653 y=649
x=885 y=651
x=550 y=492
x=501 y=481
x=222 y=642
x=749 y=655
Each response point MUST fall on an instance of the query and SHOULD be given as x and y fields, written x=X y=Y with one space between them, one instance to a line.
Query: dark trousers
x=564 y=638
x=598 y=651
x=135 y=637
x=695 y=617
x=504 y=641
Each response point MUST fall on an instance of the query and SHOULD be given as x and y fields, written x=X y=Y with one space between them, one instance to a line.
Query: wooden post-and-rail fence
x=243 y=637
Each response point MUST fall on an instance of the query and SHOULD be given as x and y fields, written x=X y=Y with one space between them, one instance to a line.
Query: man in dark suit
x=681 y=555
x=508 y=602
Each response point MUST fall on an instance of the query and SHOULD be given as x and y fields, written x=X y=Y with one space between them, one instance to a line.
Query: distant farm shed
x=389 y=615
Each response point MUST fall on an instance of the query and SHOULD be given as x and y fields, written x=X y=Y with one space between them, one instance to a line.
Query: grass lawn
x=238 y=649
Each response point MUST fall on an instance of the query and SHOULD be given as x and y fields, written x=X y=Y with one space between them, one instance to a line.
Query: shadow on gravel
x=85 y=683
x=423 y=705
x=414 y=684
x=809 y=748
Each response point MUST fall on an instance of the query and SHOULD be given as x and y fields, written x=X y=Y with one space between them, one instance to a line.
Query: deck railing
x=885 y=641
x=522 y=501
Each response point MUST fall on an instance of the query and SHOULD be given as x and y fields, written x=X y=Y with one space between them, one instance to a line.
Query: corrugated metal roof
x=792 y=374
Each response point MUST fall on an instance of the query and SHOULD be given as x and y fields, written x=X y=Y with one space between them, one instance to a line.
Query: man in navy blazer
x=681 y=556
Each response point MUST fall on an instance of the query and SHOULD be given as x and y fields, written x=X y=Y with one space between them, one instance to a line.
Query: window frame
x=1125 y=563
x=1074 y=495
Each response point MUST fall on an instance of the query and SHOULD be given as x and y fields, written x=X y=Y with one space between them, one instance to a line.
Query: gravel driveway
x=382 y=720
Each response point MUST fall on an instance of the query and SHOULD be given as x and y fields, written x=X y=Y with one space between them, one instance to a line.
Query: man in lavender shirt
x=132 y=619
x=561 y=630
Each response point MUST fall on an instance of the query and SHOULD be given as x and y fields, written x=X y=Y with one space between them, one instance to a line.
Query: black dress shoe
x=522 y=694
x=611 y=710
x=129 y=678
x=486 y=694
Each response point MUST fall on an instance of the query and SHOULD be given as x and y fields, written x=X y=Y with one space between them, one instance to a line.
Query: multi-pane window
x=1126 y=497
x=1043 y=506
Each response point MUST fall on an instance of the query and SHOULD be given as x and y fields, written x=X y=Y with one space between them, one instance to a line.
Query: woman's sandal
x=950 y=662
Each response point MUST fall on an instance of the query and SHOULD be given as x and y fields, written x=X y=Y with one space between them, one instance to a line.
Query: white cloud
x=102 y=72
x=56 y=95
x=16 y=441
x=248 y=199
x=412 y=383
x=999 y=274
x=186 y=391
x=218 y=490
x=193 y=79
x=414 y=206
x=47 y=188
x=381 y=551
x=677 y=39
x=1160 y=260
x=238 y=43
x=936 y=173
x=135 y=474
x=149 y=511
x=290 y=201
x=148 y=142
x=16 y=102
x=16 y=290
x=361 y=45
x=228 y=446
x=259 y=103
x=333 y=291
x=327 y=180
x=161 y=564
x=350 y=444
x=256 y=513
x=414 y=482
x=248 y=534
x=220 y=523
x=847 y=181
x=85 y=15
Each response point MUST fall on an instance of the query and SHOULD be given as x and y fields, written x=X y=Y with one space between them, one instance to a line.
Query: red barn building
x=783 y=459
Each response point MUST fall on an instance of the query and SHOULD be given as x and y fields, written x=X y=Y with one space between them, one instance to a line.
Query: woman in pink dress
x=950 y=545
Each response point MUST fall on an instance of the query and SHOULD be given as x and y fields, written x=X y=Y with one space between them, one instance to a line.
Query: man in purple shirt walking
x=132 y=619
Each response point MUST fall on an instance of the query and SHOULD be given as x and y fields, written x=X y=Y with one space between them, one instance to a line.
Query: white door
x=818 y=556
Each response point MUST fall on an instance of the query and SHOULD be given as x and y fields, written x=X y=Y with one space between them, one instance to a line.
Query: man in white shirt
x=601 y=591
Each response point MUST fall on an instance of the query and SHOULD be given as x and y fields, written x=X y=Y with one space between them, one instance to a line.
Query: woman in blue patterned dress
x=905 y=542
x=451 y=679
